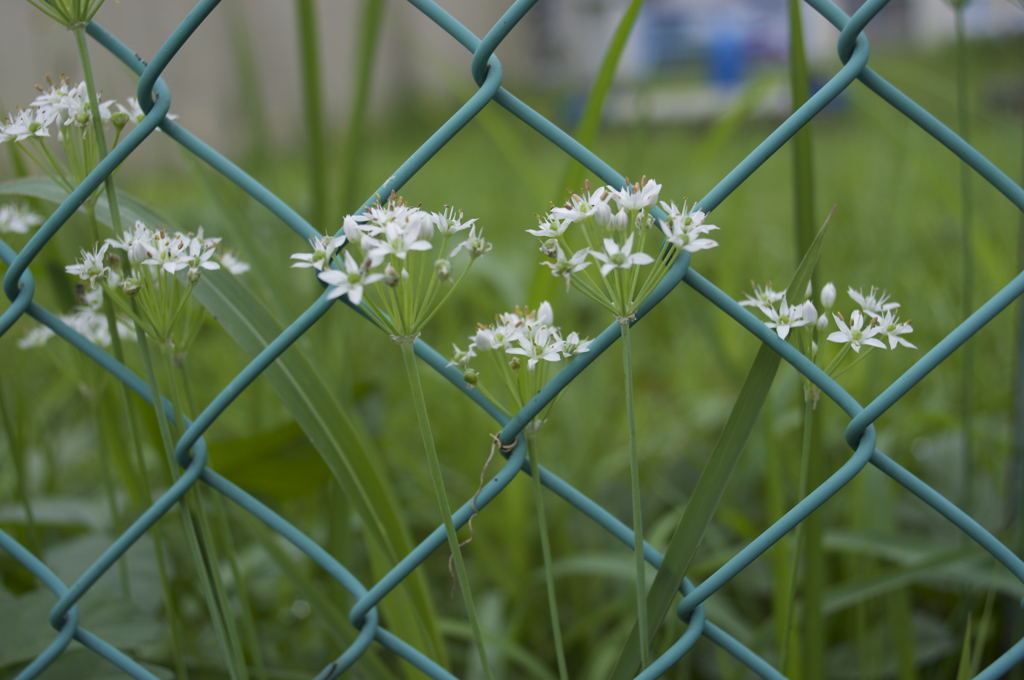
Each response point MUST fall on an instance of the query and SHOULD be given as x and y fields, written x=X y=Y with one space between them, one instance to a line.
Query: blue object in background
x=726 y=52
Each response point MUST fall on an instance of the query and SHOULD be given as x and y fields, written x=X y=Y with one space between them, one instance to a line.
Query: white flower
x=351 y=281
x=461 y=358
x=323 y=250
x=892 y=329
x=135 y=113
x=552 y=229
x=233 y=264
x=636 y=197
x=788 y=316
x=169 y=253
x=620 y=258
x=874 y=303
x=828 y=296
x=136 y=243
x=18 y=219
x=398 y=241
x=91 y=267
x=580 y=207
x=475 y=245
x=763 y=296
x=567 y=267
x=447 y=223
x=572 y=345
x=687 y=238
x=855 y=334
x=823 y=322
x=542 y=345
x=36 y=337
x=199 y=253
x=26 y=124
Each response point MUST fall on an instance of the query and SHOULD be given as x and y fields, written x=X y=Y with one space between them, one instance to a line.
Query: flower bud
x=546 y=315
x=808 y=313
x=823 y=322
x=443 y=269
x=405 y=274
x=550 y=247
x=352 y=231
x=119 y=119
x=482 y=340
x=514 y=364
x=470 y=376
x=390 y=276
x=828 y=296
x=138 y=252
x=603 y=214
x=131 y=286
x=619 y=220
x=810 y=291
x=193 y=275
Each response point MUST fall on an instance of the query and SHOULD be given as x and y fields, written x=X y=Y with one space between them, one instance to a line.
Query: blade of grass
x=312 y=104
x=334 y=619
x=248 y=85
x=369 y=35
x=813 y=638
x=963 y=671
x=711 y=485
x=590 y=121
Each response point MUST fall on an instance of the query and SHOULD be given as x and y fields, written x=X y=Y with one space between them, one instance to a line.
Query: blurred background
x=700 y=84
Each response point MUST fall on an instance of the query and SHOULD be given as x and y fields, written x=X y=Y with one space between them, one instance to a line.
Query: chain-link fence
x=191 y=452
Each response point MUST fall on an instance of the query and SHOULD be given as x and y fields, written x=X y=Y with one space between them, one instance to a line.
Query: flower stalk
x=412 y=369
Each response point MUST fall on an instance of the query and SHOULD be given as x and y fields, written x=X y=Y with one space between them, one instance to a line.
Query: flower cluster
x=64 y=110
x=148 y=275
x=875 y=321
x=17 y=218
x=618 y=220
x=525 y=336
x=87 y=319
x=389 y=244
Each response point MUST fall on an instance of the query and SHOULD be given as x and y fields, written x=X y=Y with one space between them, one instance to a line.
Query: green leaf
x=25 y=630
x=280 y=464
x=713 y=480
x=46 y=189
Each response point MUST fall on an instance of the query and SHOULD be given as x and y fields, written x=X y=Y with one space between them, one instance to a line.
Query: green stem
x=205 y=535
x=805 y=461
x=97 y=122
x=16 y=449
x=224 y=534
x=634 y=478
x=967 y=375
x=106 y=442
x=411 y=367
x=369 y=35
x=190 y=531
x=545 y=546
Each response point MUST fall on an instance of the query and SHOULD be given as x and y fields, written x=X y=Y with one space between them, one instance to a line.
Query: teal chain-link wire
x=191 y=452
